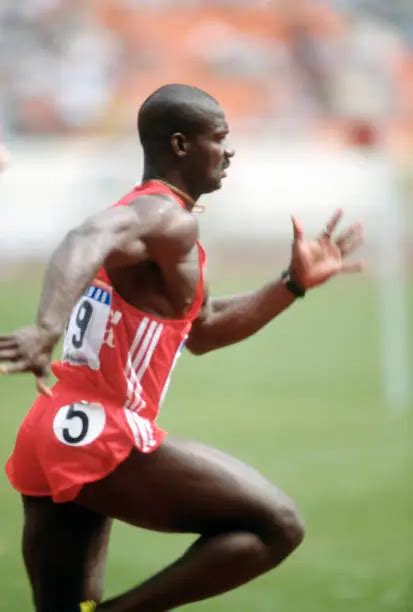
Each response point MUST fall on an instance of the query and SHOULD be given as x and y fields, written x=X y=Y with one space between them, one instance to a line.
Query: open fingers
x=357 y=266
x=42 y=387
x=8 y=342
x=349 y=240
x=297 y=228
x=9 y=349
x=356 y=229
x=23 y=365
x=13 y=368
x=9 y=354
x=332 y=223
x=350 y=246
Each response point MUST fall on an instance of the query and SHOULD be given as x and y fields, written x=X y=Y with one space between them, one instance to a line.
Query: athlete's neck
x=175 y=182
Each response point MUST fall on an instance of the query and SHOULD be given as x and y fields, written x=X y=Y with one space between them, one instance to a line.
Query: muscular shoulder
x=149 y=228
x=168 y=225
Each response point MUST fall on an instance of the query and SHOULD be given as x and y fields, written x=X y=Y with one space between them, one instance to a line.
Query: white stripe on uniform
x=139 y=336
x=143 y=346
x=146 y=358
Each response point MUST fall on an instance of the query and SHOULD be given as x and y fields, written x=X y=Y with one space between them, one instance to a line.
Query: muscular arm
x=117 y=237
x=224 y=321
x=151 y=228
x=74 y=263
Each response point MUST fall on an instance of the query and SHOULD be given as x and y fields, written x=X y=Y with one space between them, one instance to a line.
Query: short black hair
x=170 y=109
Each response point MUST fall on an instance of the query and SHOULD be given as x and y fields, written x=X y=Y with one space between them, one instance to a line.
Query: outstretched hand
x=27 y=350
x=313 y=262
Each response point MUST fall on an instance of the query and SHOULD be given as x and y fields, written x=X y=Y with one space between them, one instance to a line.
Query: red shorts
x=74 y=438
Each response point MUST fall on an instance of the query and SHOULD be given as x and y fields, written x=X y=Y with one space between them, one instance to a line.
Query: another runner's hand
x=27 y=350
x=315 y=261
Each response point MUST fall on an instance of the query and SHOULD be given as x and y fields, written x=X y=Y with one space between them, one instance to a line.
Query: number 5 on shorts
x=79 y=423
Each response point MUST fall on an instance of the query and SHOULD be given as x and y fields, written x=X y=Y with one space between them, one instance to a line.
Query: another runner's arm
x=313 y=262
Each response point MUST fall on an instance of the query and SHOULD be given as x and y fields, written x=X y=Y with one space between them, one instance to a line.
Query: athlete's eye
x=221 y=136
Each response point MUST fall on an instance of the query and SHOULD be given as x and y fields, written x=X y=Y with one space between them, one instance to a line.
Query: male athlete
x=129 y=285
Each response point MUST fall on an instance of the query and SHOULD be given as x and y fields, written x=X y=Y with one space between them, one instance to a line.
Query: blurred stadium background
x=319 y=97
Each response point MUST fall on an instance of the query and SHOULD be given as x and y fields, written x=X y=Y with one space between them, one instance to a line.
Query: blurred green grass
x=301 y=401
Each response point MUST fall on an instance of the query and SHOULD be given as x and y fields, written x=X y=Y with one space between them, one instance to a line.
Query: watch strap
x=291 y=284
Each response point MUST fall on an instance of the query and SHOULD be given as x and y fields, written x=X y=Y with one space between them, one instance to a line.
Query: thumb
x=297 y=228
x=42 y=387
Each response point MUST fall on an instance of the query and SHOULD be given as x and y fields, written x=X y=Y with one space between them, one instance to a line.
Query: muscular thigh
x=188 y=487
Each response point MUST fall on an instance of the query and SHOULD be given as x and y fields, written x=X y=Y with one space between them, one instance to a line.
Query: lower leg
x=64 y=549
x=213 y=565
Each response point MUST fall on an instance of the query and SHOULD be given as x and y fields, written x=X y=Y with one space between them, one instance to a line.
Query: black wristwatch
x=291 y=284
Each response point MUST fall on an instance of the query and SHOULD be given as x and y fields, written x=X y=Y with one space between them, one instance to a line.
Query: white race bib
x=86 y=328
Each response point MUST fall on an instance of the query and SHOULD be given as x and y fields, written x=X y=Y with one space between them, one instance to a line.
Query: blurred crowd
x=86 y=65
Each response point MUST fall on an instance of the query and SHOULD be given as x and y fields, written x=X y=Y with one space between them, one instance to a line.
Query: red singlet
x=117 y=361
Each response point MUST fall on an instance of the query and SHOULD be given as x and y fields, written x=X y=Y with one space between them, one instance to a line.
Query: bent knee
x=291 y=524
x=283 y=525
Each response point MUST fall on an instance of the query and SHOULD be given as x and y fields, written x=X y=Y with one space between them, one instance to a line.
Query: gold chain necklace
x=194 y=207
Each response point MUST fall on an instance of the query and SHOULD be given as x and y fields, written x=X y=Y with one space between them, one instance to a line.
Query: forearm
x=230 y=320
x=72 y=266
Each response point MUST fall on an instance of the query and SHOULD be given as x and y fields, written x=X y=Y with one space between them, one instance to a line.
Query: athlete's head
x=185 y=128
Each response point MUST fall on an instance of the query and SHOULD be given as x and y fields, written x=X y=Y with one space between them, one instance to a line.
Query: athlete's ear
x=179 y=144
